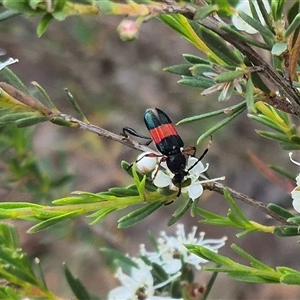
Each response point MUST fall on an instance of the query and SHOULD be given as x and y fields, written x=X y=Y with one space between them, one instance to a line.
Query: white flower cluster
x=162 y=176
x=170 y=255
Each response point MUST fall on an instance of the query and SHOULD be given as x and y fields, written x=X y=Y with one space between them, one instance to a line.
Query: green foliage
x=230 y=67
x=257 y=273
x=235 y=218
x=16 y=268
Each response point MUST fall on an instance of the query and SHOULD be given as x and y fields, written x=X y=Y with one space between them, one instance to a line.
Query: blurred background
x=114 y=82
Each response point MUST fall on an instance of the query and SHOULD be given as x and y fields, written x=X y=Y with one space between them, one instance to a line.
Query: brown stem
x=127 y=141
x=219 y=188
x=216 y=187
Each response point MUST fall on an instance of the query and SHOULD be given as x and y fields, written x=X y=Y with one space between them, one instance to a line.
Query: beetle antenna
x=203 y=154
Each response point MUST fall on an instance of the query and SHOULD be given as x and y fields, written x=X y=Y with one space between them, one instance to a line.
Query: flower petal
x=195 y=190
x=161 y=179
x=8 y=62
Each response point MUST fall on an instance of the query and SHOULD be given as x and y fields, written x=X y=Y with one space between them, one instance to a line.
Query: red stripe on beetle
x=163 y=131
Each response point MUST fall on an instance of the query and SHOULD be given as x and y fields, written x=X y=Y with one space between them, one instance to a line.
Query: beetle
x=169 y=143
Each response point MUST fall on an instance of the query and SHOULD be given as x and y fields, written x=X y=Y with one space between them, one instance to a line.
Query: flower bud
x=128 y=30
x=146 y=164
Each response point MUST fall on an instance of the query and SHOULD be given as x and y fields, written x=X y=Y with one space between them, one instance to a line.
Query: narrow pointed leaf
x=77 y=287
x=250 y=96
x=280 y=210
x=241 y=276
x=183 y=69
x=265 y=32
x=139 y=214
x=44 y=23
x=193 y=59
x=217 y=45
x=250 y=258
x=243 y=38
x=293 y=26
x=31 y=121
x=180 y=211
x=225 y=111
x=220 y=125
x=199 y=82
x=229 y=76
x=50 y=222
x=273 y=136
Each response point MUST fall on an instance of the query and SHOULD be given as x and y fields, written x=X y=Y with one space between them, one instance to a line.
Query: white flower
x=139 y=285
x=172 y=252
x=8 y=62
x=296 y=191
x=244 y=6
x=194 y=189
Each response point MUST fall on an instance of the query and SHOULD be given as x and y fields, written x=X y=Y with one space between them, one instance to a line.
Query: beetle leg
x=130 y=131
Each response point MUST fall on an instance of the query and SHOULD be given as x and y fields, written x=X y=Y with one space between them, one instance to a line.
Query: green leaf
x=7 y=15
x=279 y=48
x=265 y=14
x=280 y=210
x=180 y=211
x=254 y=262
x=9 y=236
x=52 y=221
x=183 y=69
x=99 y=215
x=250 y=96
x=193 y=59
x=293 y=26
x=11 y=78
x=199 y=82
x=277 y=9
x=258 y=83
x=139 y=214
x=12 y=117
x=210 y=255
x=265 y=32
x=268 y=122
x=290 y=279
x=78 y=199
x=59 y=5
x=31 y=121
x=121 y=192
x=44 y=94
x=273 y=136
x=286 y=231
x=9 y=293
x=291 y=15
x=198 y=70
x=20 y=6
x=229 y=76
x=243 y=38
x=77 y=287
x=14 y=205
x=217 y=45
x=227 y=110
x=235 y=209
x=220 y=125
x=242 y=276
